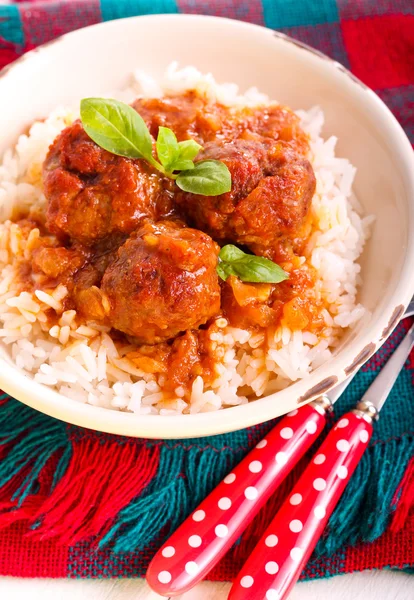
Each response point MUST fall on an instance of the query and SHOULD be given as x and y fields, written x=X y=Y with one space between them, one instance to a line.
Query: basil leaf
x=186 y=151
x=209 y=178
x=248 y=267
x=256 y=269
x=119 y=129
x=231 y=253
x=116 y=127
x=167 y=147
x=222 y=271
x=189 y=149
x=182 y=165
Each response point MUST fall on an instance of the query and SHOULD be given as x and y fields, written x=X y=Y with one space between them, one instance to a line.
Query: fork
x=273 y=569
x=206 y=535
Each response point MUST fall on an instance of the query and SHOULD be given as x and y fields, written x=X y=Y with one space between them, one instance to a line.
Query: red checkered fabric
x=62 y=514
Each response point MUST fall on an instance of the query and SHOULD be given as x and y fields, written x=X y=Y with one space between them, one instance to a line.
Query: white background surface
x=370 y=585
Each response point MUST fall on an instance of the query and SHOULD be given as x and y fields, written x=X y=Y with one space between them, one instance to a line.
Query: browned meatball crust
x=162 y=282
x=92 y=193
x=270 y=197
x=213 y=213
x=278 y=206
x=183 y=114
x=280 y=123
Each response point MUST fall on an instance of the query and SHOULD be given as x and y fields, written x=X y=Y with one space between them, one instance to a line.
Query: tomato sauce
x=117 y=235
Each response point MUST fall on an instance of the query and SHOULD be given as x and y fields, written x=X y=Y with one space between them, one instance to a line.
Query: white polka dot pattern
x=164 y=577
x=194 y=541
x=168 y=552
x=255 y=466
x=319 y=484
x=286 y=433
x=191 y=567
x=216 y=523
x=319 y=512
x=199 y=515
x=251 y=493
x=281 y=458
x=277 y=560
x=271 y=567
x=271 y=540
x=342 y=445
x=342 y=472
x=296 y=553
x=221 y=531
x=296 y=526
x=224 y=503
x=311 y=427
x=246 y=581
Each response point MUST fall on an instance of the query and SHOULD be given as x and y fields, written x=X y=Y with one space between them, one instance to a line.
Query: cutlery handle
x=278 y=559
x=204 y=537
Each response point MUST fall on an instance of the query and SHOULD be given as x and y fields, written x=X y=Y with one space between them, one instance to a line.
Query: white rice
x=81 y=361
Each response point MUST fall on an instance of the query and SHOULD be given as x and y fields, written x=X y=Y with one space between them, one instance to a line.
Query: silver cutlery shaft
x=379 y=390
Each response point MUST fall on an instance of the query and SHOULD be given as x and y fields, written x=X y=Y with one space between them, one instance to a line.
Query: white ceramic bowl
x=100 y=58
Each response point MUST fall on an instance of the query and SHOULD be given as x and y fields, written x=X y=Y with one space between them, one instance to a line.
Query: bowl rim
x=52 y=403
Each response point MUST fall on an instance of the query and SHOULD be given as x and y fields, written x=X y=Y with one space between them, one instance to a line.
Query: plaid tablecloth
x=75 y=503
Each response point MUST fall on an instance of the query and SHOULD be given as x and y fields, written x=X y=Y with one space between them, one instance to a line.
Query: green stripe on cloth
x=11 y=25
x=188 y=471
x=291 y=13
x=131 y=8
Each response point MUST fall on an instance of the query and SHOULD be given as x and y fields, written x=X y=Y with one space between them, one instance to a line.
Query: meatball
x=92 y=193
x=213 y=213
x=162 y=282
x=278 y=206
x=182 y=114
x=277 y=122
x=270 y=197
x=59 y=261
x=90 y=302
x=192 y=116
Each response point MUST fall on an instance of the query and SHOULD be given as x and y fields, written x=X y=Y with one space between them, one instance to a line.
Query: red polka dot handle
x=278 y=559
x=199 y=543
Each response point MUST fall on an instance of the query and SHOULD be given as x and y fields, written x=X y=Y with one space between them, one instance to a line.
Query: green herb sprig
x=247 y=267
x=119 y=129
